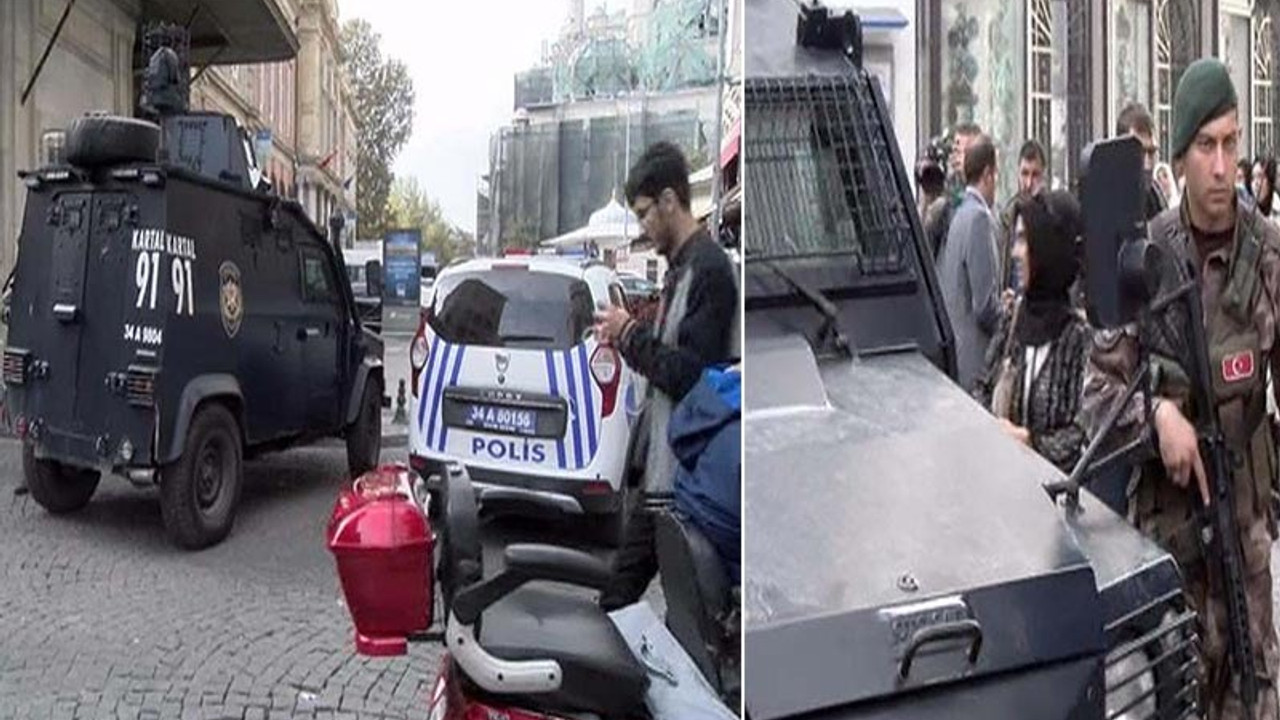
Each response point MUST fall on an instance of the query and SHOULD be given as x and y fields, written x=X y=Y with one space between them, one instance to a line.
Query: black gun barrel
x=1219 y=532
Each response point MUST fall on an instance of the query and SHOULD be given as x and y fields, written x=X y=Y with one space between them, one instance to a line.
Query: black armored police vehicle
x=905 y=558
x=170 y=316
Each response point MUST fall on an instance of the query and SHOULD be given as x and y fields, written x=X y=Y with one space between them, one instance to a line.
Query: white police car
x=509 y=380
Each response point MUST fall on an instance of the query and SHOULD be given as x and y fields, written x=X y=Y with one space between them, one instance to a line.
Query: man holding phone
x=693 y=330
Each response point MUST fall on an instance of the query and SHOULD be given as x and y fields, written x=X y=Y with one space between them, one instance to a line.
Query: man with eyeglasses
x=694 y=330
x=1136 y=121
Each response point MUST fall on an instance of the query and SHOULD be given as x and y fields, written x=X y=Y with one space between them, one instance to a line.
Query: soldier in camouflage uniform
x=1237 y=257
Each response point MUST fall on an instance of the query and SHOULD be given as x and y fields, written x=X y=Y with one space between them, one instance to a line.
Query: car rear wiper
x=526 y=338
x=829 y=335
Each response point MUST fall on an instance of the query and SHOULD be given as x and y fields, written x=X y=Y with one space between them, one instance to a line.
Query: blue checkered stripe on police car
x=568 y=375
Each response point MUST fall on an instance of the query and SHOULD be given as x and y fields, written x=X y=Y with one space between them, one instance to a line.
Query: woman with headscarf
x=1036 y=361
x=1264 y=184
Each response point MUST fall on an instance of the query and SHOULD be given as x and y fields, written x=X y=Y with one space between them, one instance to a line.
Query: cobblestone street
x=101 y=617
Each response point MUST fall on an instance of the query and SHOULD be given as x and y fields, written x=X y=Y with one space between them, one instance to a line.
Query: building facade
x=610 y=85
x=299 y=114
x=326 y=137
x=1065 y=69
x=92 y=65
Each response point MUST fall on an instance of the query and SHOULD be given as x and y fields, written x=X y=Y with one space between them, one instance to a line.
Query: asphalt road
x=100 y=616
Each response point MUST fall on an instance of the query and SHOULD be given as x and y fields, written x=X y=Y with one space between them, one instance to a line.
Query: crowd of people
x=1009 y=278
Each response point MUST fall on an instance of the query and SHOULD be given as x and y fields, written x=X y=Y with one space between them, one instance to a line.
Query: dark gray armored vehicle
x=905 y=559
x=170 y=317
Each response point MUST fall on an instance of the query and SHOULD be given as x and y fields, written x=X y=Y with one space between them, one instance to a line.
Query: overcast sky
x=462 y=56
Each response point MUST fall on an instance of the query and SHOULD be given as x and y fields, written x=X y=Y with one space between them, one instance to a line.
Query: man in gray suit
x=968 y=269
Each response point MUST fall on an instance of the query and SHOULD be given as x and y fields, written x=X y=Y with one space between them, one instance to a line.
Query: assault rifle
x=1123 y=273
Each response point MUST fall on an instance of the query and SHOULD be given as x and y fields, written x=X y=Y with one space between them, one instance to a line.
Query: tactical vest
x=1238 y=371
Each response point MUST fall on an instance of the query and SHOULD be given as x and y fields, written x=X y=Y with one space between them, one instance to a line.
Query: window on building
x=1047 y=82
x=1236 y=39
x=1163 y=112
x=1130 y=56
x=1263 y=124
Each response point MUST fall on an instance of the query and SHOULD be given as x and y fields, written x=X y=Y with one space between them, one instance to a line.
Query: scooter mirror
x=1120 y=264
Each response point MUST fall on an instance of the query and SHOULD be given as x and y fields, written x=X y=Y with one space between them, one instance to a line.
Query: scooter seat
x=599 y=672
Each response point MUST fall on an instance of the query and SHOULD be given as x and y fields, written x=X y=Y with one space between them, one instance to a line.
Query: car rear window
x=514 y=307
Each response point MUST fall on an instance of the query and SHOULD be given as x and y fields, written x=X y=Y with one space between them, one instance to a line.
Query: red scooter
x=516 y=648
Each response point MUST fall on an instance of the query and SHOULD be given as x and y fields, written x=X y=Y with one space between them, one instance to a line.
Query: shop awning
x=227 y=32
x=729 y=148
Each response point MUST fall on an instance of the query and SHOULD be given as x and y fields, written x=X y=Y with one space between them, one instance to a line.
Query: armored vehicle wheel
x=58 y=488
x=364 y=437
x=98 y=140
x=199 y=492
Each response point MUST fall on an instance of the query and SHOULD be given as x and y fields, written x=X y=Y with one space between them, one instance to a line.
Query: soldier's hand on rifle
x=1180 y=447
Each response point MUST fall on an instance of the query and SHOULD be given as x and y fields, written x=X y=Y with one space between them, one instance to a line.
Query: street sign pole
x=719 y=120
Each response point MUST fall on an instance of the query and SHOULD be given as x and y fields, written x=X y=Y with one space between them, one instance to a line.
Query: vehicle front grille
x=140 y=386
x=15 y=367
x=1152 y=668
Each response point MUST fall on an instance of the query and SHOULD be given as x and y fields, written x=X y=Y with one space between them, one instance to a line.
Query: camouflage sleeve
x=1113 y=360
x=1271 y=309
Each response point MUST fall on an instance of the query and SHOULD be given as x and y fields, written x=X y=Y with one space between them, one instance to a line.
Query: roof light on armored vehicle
x=125 y=173
x=55 y=175
x=152 y=177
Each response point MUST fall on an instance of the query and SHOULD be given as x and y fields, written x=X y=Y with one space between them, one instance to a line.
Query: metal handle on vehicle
x=65 y=312
x=304 y=333
x=946 y=631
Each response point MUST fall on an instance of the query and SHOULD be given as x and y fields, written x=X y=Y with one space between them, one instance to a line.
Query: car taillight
x=606 y=369
x=419 y=351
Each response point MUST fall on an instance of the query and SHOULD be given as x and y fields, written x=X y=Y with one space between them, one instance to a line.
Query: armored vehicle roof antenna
x=166 y=89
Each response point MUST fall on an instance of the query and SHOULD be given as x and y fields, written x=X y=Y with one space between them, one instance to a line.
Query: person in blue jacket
x=706 y=438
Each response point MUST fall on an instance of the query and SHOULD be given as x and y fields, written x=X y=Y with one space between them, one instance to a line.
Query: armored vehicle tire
x=364 y=437
x=199 y=492
x=56 y=487
x=99 y=140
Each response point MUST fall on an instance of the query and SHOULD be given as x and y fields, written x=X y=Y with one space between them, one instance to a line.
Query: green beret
x=1204 y=93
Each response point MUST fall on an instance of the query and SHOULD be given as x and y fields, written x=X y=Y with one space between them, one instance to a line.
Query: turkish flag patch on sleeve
x=1238 y=367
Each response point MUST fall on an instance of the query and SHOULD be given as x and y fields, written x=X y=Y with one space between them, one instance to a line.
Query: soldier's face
x=1209 y=167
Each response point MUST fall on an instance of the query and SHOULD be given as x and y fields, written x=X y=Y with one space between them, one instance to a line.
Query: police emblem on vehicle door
x=231 y=298
x=501 y=362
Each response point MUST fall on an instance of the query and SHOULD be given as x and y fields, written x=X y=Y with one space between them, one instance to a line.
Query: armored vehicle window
x=316 y=284
x=822 y=174
x=512 y=308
